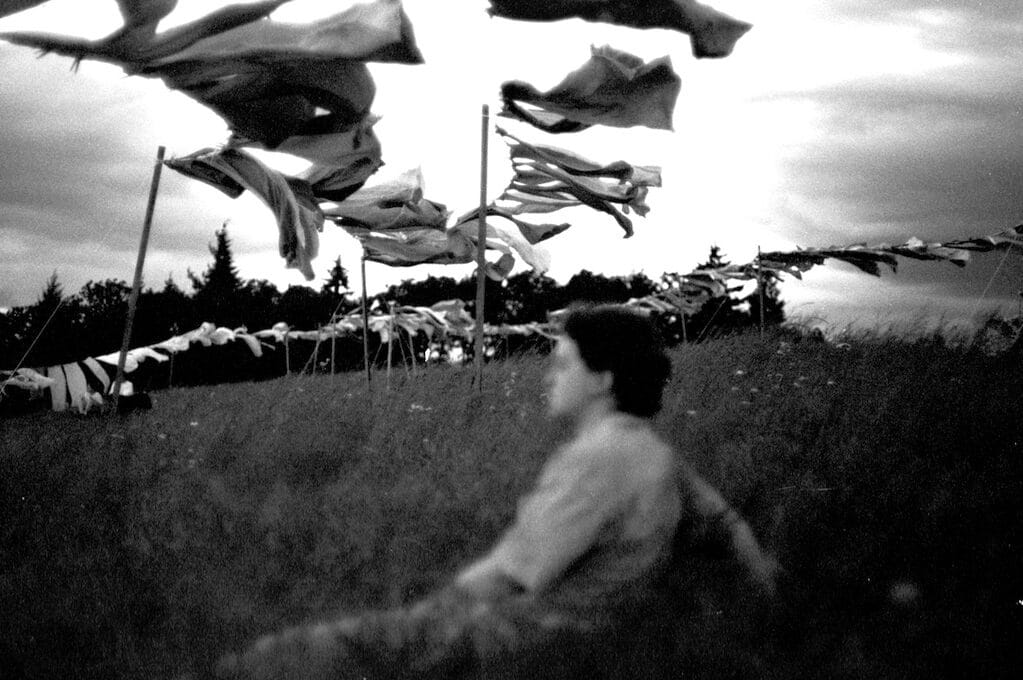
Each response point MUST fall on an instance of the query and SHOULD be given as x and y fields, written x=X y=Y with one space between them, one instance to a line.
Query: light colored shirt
x=600 y=521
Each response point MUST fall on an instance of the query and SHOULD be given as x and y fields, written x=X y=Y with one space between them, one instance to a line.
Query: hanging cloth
x=299 y=219
x=613 y=88
x=711 y=33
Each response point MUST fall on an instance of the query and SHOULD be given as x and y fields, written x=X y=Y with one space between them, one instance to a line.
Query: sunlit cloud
x=831 y=123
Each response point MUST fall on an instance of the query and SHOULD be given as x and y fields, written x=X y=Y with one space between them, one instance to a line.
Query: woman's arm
x=719 y=525
x=485 y=580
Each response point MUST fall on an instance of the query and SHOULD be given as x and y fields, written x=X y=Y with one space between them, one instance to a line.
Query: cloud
x=837 y=122
x=934 y=153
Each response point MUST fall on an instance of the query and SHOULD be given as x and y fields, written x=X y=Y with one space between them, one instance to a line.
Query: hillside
x=885 y=475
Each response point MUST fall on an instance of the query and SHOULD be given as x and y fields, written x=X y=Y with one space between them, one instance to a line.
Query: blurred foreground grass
x=886 y=476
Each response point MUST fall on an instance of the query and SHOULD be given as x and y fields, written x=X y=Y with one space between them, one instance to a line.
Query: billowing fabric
x=280 y=332
x=269 y=102
x=533 y=233
x=77 y=387
x=398 y=204
x=8 y=7
x=502 y=238
x=96 y=375
x=299 y=219
x=544 y=173
x=613 y=88
x=25 y=378
x=373 y=31
x=136 y=43
x=408 y=187
x=456 y=245
x=409 y=247
x=271 y=81
x=711 y=33
x=916 y=249
x=133 y=358
x=1010 y=238
x=58 y=390
x=341 y=161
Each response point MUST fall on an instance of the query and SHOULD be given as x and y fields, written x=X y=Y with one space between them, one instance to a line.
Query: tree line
x=91 y=321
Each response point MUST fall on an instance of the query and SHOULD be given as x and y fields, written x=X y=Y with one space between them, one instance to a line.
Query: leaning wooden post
x=390 y=341
x=481 y=247
x=333 y=345
x=137 y=282
x=682 y=311
x=365 y=322
x=760 y=292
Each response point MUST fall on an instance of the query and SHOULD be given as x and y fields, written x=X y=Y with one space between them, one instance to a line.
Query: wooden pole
x=365 y=323
x=760 y=292
x=390 y=342
x=137 y=282
x=333 y=346
x=481 y=247
x=682 y=315
x=287 y=351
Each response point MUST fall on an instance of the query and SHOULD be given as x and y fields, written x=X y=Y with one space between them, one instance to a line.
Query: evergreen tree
x=335 y=288
x=336 y=284
x=217 y=290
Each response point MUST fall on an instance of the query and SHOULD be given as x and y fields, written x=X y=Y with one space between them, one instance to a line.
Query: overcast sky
x=831 y=123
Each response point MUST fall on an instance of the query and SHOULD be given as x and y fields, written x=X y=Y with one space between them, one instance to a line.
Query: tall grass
x=886 y=477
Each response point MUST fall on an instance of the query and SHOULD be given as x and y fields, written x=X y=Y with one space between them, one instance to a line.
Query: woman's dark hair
x=616 y=339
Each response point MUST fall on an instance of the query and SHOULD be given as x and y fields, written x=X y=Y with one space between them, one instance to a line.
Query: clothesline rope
x=3 y=388
x=991 y=280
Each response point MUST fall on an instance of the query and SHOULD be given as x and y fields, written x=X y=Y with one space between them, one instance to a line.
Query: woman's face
x=571 y=385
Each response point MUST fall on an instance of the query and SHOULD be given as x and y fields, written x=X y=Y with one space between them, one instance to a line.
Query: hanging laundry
x=863 y=258
x=501 y=238
x=25 y=378
x=533 y=233
x=544 y=174
x=77 y=387
x=917 y=249
x=613 y=88
x=269 y=80
x=270 y=101
x=374 y=31
x=422 y=213
x=409 y=247
x=96 y=375
x=133 y=358
x=396 y=204
x=711 y=33
x=1010 y=238
x=136 y=43
x=341 y=161
x=299 y=219
x=58 y=390
x=8 y=7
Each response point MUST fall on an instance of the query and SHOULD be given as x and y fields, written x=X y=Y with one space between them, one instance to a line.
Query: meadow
x=886 y=475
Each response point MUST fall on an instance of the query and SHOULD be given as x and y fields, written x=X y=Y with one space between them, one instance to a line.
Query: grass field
x=887 y=477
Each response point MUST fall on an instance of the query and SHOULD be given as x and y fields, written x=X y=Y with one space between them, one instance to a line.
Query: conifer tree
x=216 y=291
x=336 y=284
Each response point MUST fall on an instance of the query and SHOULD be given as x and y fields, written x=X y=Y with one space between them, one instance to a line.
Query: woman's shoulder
x=621 y=439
